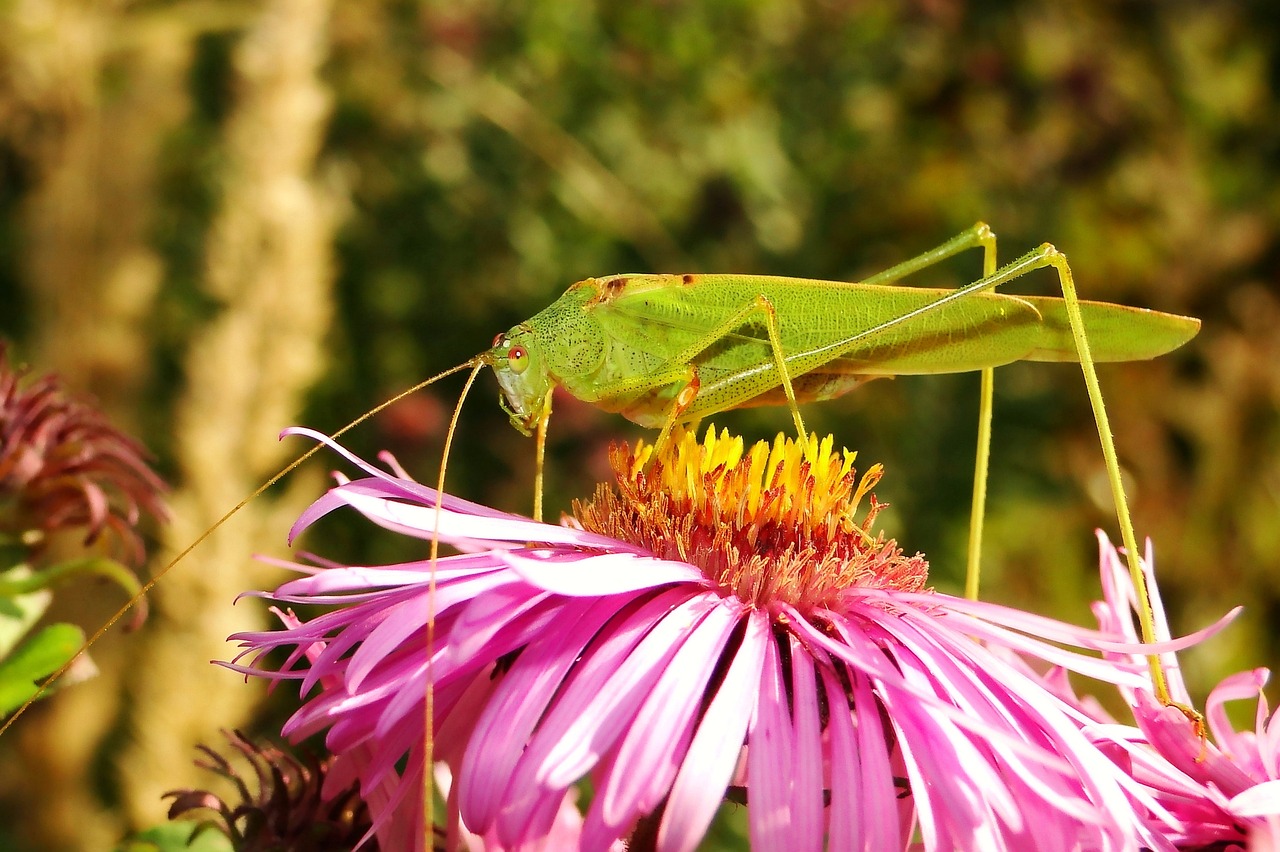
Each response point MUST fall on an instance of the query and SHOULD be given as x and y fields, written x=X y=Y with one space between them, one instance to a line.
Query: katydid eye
x=518 y=359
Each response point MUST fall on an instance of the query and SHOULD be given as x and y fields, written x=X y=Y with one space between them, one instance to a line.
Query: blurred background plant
x=226 y=217
x=73 y=491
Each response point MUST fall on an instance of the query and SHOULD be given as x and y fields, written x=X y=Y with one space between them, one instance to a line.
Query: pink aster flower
x=719 y=624
x=1222 y=785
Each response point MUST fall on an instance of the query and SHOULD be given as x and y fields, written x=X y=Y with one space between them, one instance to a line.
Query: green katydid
x=664 y=350
x=669 y=349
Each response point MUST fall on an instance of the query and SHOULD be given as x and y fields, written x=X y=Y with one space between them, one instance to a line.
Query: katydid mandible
x=664 y=350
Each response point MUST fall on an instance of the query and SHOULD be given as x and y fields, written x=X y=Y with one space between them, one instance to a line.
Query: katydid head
x=522 y=375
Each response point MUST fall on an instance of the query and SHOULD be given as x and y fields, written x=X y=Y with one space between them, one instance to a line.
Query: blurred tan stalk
x=269 y=264
x=94 y=280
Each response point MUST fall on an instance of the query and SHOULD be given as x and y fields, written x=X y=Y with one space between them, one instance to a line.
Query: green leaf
x=15 y=582
x=19 y=612
x=37 y=658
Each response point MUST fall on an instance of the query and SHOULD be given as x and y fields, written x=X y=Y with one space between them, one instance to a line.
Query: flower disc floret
x=776 y=524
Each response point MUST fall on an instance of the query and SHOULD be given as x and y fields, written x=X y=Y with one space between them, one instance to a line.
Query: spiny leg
x=979 y=236
x=678 y=406
x=685 y=375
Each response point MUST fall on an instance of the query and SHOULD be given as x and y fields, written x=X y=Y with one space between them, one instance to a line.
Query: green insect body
x=668 y=349
x=633 y=344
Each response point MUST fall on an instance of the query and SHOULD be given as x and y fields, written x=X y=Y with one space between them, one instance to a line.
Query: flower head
x=63 y=466
x=779 y=524
x=720 y=623
x=1221 y=785
x=288 y=810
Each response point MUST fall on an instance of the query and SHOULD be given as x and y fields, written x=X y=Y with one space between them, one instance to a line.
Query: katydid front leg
x=540 y=455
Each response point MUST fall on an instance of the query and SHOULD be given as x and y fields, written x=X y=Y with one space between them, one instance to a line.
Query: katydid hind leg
x=978 y=236
x=981 y=470
x=1046 y=256
x=982 y=456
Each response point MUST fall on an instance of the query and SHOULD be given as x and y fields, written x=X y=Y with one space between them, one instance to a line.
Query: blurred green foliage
x=492 y=153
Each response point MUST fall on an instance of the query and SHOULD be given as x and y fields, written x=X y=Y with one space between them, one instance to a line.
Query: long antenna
x=475 y=362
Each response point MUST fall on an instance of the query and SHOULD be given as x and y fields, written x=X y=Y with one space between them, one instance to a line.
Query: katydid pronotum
x=665 y=350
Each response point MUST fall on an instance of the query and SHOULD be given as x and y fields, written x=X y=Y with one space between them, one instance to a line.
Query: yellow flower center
x=776 y=523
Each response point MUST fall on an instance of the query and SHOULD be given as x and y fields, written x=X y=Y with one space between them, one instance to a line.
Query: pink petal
x=881 y=828
x=1236 y=687
x=847 y=818
x=807 y=787
x=516 y=706
x=770 y=759
x=713 y=755
x=652 y=749
x=601 y=574
x=1044 y=629
x=1260 y=800
x=604 y=715
x=1174 y=736
x=601 y=695
x=334 y=581
x=970 y=683
x=419 y=521
x=484 y=617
